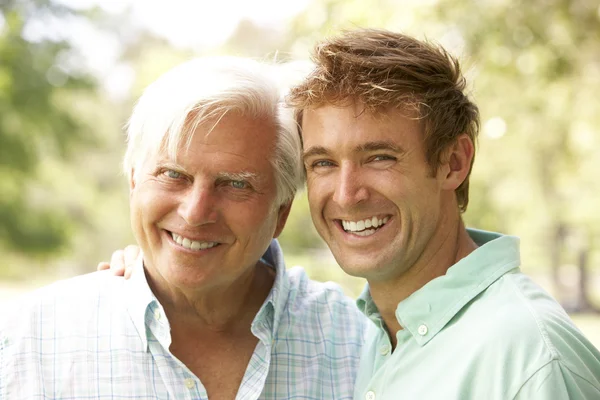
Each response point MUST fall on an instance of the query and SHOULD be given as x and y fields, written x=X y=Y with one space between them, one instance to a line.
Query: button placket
x=189 y=383
x=385 y=349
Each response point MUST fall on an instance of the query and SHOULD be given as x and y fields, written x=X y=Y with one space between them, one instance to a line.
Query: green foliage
x=535 y=76
x=32 y=123
x=534 y=69
x=540 y=77
x=300 y=234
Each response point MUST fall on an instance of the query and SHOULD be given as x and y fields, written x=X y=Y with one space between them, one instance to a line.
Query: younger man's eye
x=322 y=163
x=383 y=157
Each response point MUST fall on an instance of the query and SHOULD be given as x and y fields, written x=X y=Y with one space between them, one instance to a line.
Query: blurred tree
x=34 y=122
x=300 y=234
x=254 y=40
x=536 y=72
x=537 y=83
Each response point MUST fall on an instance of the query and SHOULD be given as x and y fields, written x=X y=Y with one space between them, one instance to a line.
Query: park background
x=71 y=70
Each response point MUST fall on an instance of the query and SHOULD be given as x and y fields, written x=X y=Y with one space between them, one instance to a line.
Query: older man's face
x=205 y=219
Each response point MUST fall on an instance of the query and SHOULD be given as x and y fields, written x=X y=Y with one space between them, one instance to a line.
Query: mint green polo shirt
x=483 y=331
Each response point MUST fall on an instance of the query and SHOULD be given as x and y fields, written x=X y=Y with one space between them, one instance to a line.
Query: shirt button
x=370 y=395
x=422 y=330
x=385 y=349
x=189 y=383
x=157 y=314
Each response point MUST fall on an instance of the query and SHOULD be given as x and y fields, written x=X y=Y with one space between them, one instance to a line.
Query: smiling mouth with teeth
x=365 y=227
x=192 y=244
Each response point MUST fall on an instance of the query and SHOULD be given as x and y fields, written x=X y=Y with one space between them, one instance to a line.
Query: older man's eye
x=238 y=184
x=172 y=174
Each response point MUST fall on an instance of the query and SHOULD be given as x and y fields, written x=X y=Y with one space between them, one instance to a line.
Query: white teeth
x=178 y=238
x=192 y=244
x=361 y=228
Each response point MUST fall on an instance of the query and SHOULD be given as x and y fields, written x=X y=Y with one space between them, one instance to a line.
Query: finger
x=131 y=254
x=128 y=272
x=102 y=265
x=117 y=263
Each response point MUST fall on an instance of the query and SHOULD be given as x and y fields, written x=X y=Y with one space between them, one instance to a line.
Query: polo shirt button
x=157 y=314
x=422 y=330
x=385 y=349
x=370 y=395
x=189 y=383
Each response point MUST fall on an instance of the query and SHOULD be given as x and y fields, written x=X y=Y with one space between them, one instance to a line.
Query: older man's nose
x=199 y=207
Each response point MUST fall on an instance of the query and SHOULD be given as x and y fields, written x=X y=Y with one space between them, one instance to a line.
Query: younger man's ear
x=457 y=162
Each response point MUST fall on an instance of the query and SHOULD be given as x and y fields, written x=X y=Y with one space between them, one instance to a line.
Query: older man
x=213 y=164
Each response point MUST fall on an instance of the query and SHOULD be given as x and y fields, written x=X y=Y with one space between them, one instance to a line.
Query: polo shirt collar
x=427 y=311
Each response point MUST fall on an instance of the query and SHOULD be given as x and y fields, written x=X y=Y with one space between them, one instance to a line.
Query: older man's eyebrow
x=239 y=176
x=379 y=145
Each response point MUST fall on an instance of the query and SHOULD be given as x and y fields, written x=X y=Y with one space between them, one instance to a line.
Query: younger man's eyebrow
x=379 y=145
x=362 y=148
x=315 y=151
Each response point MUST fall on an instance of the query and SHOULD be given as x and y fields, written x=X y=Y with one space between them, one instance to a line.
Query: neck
x=218 y=308
x=446 y=247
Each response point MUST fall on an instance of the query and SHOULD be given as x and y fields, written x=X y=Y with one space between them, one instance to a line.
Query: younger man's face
x=372 y=195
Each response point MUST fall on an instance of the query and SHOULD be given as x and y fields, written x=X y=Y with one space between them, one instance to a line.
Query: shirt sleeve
x=555 y=381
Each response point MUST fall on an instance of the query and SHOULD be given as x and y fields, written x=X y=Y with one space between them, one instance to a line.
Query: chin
x=359 y=270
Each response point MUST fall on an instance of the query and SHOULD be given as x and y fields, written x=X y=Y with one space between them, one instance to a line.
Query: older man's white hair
x=205 y=89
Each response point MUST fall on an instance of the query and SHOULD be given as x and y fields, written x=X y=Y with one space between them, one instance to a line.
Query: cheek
x=318 y=189
x=253 y=222
x=148 y=207
x=135 y=210
x=315 y=206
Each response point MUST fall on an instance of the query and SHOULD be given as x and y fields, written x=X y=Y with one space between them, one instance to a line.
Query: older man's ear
x=122 y=261
x=131 y=179
x=282 y=215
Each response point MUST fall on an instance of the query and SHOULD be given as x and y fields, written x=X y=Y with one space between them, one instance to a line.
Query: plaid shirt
x=101 y=337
